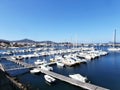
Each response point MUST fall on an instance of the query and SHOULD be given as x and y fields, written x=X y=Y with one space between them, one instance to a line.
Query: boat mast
x=114 y=38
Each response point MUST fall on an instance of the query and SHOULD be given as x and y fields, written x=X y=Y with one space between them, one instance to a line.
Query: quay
x=69 y=80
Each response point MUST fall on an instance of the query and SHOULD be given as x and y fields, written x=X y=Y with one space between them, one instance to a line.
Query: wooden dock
x=62 y=77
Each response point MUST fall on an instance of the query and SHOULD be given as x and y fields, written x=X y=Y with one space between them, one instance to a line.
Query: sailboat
x=114 y=48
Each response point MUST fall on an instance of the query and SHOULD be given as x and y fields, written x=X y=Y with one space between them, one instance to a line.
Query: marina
x=59 y=44
x=46 y=70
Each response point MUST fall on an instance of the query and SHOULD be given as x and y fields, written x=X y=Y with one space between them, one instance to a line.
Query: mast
x=114 y=38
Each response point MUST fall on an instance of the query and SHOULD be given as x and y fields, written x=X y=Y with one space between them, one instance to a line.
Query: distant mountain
x=4 y=41
x=32 y=41
x=25 y=41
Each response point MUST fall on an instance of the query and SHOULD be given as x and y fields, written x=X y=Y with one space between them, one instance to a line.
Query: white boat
x=68 y=61
x=60 y=64
x=80 y=60
x=49 y=79
x=46 y=67
x=39 y=62
x=35 y=70
x=113 y=49
x=78 y=77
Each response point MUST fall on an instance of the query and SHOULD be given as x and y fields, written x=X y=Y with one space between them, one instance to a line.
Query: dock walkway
x=25 y=65
x=72 y=81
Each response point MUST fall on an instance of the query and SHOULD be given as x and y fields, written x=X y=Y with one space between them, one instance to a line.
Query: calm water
x=104 y=71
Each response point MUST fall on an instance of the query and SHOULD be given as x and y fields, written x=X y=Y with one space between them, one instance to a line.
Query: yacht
x=49 y=79
x=78 y=77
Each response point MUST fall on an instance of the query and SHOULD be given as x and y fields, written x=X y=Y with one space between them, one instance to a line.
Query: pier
x=72 y=81
x=61 y=77
x=25 y=65
x=19 y=62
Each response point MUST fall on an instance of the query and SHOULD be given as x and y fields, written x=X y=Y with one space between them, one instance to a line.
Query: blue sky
x=60 y=20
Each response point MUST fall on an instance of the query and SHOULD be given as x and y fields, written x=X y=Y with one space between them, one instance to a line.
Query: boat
x=114 y=48
x=49 y=79
x=46 y=67
x=39 y=62
x=68 y=61
x=60 y=64
x=52 y=60
x=79 y=77
x=80 y=60
x=35 y=70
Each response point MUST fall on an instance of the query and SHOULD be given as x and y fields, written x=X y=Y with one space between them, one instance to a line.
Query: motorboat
x=49 y=79
x=39 y=62
x=79 y=77
x=35 y=70
x=60 y=64
x=113 y=49
x=46 y=67
x=68 y=61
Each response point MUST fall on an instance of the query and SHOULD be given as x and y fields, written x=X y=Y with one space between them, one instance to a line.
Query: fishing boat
x=49 y=79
